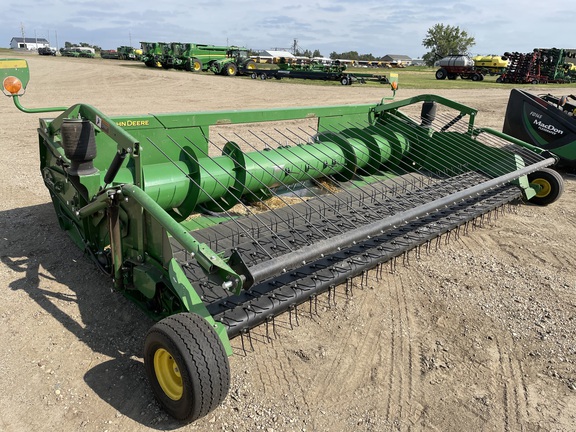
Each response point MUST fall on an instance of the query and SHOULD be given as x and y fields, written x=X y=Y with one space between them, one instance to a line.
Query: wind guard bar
x=270 y=268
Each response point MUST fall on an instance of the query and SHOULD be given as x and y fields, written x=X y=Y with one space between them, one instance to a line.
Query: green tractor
x=237 y=62
x=128 y=53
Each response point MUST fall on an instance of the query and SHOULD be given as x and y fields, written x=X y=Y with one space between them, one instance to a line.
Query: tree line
x=441 y=40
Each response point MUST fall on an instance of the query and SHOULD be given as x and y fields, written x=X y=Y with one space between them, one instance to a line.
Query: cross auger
x=213 y=232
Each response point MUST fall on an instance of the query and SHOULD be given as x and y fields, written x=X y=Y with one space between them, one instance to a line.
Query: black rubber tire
x=250 y=65
x=230 y=69
x=552 y=185
x=344 y=80
x=499 y=79
x=441 y=74
x=263 y=76
x=198 y=359
x=452 y=76
x=196 y=65
x=253 y=75
x=476 y=77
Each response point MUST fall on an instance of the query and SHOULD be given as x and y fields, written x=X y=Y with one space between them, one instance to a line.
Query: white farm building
x=28 y=43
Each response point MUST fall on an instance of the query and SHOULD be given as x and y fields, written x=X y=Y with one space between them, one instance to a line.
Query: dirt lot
x=479 y=335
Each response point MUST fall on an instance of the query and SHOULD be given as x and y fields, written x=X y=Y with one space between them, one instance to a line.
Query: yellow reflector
x=12 y=85
x=13 y=64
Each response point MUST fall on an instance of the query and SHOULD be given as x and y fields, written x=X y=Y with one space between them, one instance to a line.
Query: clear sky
x=378 y=27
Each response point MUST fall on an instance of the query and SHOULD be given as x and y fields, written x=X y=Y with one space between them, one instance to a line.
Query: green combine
x=152 y=53
x=192 y=57
x=213 y=233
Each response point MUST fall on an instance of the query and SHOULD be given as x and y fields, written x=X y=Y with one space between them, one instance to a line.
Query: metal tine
x=396 y=184
x=267 y=322
x=331 y=296
x=270 y=190
x=487 y=139
x=310 y=175
x=357 y=125
x=308 y=205
x=313 y=299
x=249 y=336
x=242 y=340
x=296 y=315
x=494 y=141
x=313 y=311
x=342 y=190
x=349 y=291
x=375 y=191
x=263 y=203
x=453 y=157
x=373 y=273
x=456 y=154
x=377 y=270
x=190 y=178
x=251 y=236
x=403 y=186
x=408 y=131
x=273 y=319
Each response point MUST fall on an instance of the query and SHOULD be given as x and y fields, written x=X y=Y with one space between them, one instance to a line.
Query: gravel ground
x=479 y=334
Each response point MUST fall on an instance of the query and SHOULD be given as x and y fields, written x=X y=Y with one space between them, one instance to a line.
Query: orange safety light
x=11 y=86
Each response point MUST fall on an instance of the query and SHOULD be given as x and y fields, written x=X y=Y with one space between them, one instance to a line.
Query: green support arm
x=214 y=266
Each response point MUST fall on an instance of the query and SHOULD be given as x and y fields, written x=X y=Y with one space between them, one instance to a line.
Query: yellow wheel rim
x=197 y=66
x=168 y=374
x=230 y=70
x=545 y=187
x=251 y=66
